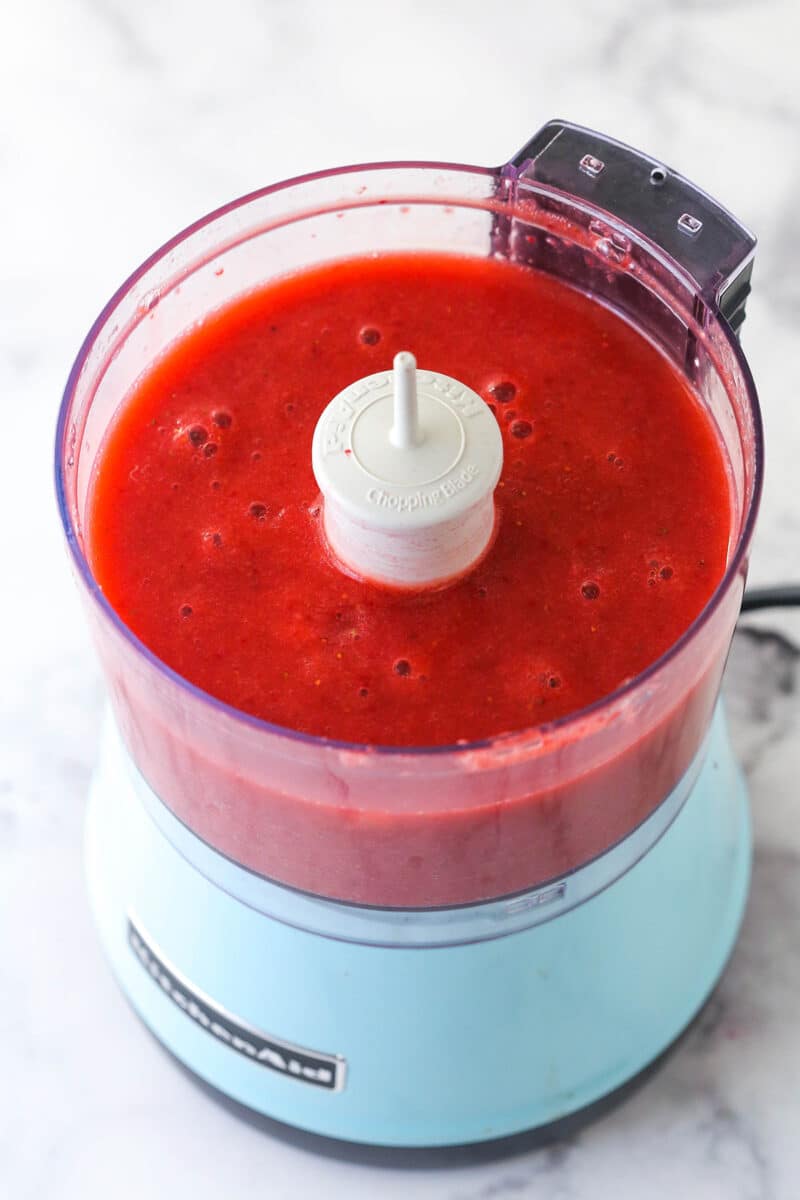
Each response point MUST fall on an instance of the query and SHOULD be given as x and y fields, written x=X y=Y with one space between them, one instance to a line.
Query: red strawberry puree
x=204 y=533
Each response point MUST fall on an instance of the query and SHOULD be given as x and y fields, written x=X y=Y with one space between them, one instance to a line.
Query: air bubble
x=210 y=449
x=503 y=392
x=258 y=510
x=186 y=610
x=402 y=667
x=216 y=485
x=222 y=419
x=362 y=691
x=606 y=247
x=370 y=336
x=197 y=435
x=554 y=681
x=521 y=429
x=255 y=456
x=590 y=590
x=666 y=572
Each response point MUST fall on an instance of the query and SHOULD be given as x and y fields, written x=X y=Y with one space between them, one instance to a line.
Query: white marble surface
x=119 y=123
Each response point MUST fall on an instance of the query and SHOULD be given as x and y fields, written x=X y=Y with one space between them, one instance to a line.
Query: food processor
x=272 y=903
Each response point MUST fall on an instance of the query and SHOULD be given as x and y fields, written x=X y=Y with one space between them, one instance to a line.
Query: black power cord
x=782 y=595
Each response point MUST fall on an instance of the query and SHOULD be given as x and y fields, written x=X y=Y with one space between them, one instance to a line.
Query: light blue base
x=444 y=1045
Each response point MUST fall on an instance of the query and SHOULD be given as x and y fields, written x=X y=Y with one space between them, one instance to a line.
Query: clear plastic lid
x=427 y=827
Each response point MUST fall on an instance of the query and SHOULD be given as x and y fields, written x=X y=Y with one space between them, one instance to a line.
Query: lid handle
x=692 y=228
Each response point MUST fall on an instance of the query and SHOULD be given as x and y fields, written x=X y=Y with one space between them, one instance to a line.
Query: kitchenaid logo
x=307 y=1066
x=438 y=495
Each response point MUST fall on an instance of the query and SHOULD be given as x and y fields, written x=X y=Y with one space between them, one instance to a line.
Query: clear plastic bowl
x=429 y=826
